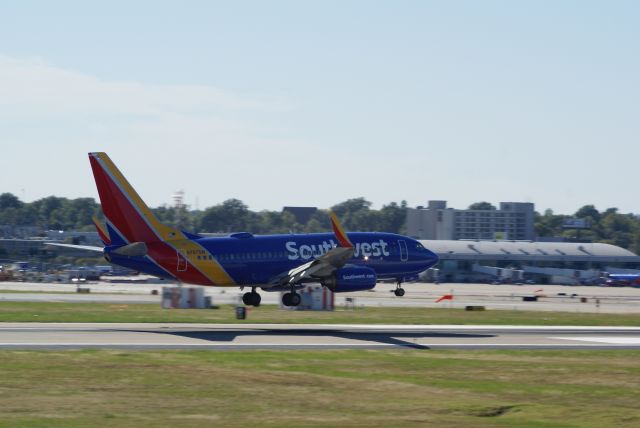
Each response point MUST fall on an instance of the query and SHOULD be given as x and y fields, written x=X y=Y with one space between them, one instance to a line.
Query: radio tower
x=179 y=208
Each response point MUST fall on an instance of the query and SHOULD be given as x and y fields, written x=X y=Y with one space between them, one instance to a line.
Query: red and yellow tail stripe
x=102 y=231
x=342 y=237
x=124 y=209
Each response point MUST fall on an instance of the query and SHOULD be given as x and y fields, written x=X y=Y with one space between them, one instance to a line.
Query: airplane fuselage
x=245 y=259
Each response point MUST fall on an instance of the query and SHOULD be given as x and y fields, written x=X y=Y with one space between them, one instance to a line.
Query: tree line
x=608 y=226
x=56 y=213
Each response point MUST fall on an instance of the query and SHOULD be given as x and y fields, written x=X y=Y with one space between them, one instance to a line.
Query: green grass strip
x=102 y=312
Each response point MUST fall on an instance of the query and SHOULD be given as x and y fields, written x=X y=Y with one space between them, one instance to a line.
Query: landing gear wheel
x=286 y=299
x=295 y=299
x=251 y=299
x=246 y=299
x=291 y=299
x=399 y=291
x=256 y=299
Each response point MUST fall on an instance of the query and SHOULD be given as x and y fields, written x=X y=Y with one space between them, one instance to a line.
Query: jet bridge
x=565 y=276
x=499 y=274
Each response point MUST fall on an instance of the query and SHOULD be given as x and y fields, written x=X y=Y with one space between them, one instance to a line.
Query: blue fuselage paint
x=256 y=260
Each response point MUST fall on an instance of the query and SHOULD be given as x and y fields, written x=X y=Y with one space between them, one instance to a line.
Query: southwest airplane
x=623 y=280
x=134 y=238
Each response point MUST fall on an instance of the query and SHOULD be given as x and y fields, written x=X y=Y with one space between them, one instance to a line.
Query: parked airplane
x=134 y=238
x=622 y=280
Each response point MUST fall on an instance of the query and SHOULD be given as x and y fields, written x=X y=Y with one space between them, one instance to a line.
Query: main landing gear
x=292 y=298
x=399 y=291
x=251 y=298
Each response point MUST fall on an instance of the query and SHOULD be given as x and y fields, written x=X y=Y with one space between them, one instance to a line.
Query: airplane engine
x=351 y=278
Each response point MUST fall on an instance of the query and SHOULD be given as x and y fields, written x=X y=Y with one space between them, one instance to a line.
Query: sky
x=309 y=103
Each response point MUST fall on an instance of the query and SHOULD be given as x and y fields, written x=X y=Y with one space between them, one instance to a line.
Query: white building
x=544 y=262
x=512 y=221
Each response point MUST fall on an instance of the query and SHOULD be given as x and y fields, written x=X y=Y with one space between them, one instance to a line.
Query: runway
x=311 y=336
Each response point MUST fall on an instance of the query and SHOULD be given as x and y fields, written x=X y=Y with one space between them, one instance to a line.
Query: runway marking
x=462 y=327
x=604 y=339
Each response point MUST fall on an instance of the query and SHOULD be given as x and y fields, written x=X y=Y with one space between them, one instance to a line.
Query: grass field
x=329 y=388
x=98 y=312
x=353 y=388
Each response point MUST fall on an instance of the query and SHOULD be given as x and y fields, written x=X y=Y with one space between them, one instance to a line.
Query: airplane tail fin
x=128 y=217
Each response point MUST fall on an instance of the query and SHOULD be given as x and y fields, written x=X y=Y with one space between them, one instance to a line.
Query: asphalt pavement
x=311 y=336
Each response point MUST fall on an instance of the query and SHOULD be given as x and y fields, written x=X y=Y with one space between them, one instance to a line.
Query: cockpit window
x=419 y=246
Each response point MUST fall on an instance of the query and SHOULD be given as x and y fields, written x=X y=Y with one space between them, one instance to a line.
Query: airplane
x=343 y=262
x=622 y=280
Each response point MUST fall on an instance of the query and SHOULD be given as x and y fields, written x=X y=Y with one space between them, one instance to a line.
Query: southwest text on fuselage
x=308 y=251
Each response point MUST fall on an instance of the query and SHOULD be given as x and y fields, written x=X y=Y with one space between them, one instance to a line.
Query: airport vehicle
x=134 y=238
x=5 y=274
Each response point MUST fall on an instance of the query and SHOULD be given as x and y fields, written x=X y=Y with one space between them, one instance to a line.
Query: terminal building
x=519 y=261
x=487 y=245
x=512 y=221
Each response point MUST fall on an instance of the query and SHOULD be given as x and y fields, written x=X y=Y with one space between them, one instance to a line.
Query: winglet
x=342 y=237
x=102 y=231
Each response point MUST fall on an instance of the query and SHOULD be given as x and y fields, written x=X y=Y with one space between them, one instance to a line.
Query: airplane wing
x=77 y=247
x=316 y=269
x=324 y=265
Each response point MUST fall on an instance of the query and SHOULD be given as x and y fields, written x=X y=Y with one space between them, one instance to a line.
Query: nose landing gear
x=399 y=291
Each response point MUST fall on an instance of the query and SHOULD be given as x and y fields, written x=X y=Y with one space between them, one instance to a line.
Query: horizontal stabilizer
x=136 y=249
x=76 y=247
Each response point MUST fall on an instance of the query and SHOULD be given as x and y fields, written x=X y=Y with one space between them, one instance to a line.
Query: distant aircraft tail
x=129 y=219
x=102 y=231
